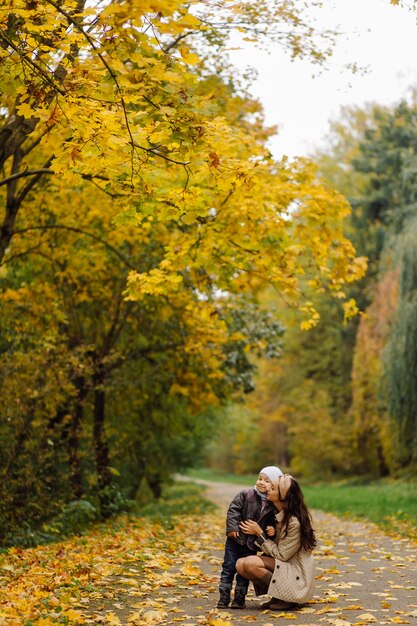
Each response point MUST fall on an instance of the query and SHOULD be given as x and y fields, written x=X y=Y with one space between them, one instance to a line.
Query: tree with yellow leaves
x=109 y=95
x=141 y=215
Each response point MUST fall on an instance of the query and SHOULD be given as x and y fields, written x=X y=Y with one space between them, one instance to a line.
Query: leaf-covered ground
x=138 y=573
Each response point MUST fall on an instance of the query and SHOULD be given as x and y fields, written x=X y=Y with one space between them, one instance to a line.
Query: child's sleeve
x=268 y=520
x=234 y=513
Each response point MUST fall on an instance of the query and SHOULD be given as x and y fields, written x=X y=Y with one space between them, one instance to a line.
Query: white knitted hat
x=272 y=472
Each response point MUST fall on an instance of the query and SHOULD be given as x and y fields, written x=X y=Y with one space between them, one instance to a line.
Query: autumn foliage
x=341 y=401
x=141 y=215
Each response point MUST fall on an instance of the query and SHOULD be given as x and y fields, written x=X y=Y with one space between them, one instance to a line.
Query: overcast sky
x=382 y=37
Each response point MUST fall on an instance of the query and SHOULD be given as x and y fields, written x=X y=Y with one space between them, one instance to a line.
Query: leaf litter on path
x=140 y=574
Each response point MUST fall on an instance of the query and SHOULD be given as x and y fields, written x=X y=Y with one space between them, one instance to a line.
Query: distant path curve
x=219 y=493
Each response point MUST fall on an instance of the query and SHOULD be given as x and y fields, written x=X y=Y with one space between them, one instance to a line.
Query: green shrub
x=75 y=517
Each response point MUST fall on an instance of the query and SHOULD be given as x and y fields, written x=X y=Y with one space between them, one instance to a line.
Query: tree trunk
x=100 y=443
x=76 y=477
x=155 y=485
x=12 y=207
x=15 y=132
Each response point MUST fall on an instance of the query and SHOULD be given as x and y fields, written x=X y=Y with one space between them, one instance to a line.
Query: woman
x=285 y=571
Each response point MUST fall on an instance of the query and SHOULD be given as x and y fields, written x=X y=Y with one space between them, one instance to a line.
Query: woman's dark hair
x=296 y=507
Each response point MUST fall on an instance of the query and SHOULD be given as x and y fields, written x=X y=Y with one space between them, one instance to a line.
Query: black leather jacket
x=247 y=504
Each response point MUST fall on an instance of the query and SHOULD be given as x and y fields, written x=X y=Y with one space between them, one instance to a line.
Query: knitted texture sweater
x=293 y=576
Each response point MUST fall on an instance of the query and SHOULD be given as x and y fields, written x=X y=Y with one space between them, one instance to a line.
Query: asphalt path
x=363 y=576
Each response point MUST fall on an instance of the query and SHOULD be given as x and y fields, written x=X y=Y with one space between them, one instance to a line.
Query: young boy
x=247 y=504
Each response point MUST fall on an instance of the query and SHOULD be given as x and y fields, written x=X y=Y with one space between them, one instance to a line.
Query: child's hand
x=270 y=531
x=233 y=534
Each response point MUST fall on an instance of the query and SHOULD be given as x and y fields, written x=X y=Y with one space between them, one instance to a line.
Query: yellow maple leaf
x=189 y=57
x=25 y=110
x=112 y=619
x=366 y=618
x=153 y=617
x=219 y=622
x=136 y=617
x=75 y=616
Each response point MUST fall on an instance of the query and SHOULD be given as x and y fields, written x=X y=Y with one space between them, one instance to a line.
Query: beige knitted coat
x=293 y=576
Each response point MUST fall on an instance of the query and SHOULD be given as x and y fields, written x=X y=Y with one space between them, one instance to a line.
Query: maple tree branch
x=91 y=177
x=25 y=173
x=20 y=254
x=18 y=128
x=11 y=204
x=237 y=245
x=157 y=349
x=177 y=40
x=33 y=182
x=33 y=64
x=45 y=170
x=223 y=202
x=157 y=106
x=118 y=323
x=35 y=143
x=82 y=232
x=160 y=154
x=90 y=40
x=187 y=171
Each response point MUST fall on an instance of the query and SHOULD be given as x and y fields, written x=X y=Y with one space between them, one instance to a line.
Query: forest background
x=170 y=293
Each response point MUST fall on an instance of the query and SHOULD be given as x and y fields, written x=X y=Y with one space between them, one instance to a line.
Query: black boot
x=239 y=598
x=224 y=599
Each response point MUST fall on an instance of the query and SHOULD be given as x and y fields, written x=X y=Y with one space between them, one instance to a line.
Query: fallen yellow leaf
x=112 y=619
x=153 y=617
x=366 y=618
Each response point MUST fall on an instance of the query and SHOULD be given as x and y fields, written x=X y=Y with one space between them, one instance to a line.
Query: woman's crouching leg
x=246 y=566
x=254 y=568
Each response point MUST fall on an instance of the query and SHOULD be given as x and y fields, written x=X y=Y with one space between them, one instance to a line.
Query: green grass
x=181 y=498
x=388 y=503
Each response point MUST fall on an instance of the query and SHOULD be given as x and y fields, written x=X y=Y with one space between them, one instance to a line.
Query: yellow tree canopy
x=116 y=95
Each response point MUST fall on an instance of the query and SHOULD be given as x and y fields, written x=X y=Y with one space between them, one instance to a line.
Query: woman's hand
x=251 y=528
x=270 y=531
